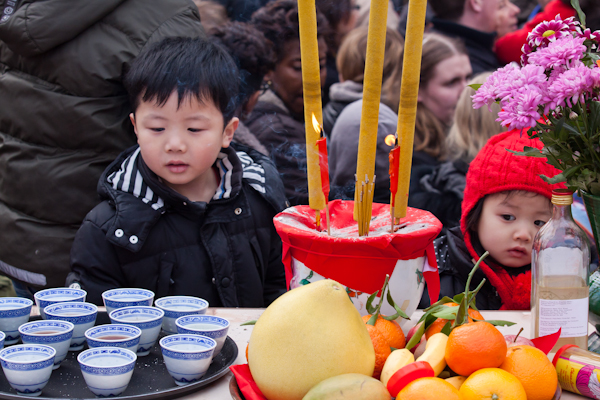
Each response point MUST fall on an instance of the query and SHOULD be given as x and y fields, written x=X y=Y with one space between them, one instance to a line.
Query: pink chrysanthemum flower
x=522 y=111
x=571 y=87
x=497 y=86
x=549 y=31
x=564 y=51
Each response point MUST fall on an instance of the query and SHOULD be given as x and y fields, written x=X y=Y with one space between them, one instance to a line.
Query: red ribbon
x=246 y=383
x=324 y=167
x=394 y=167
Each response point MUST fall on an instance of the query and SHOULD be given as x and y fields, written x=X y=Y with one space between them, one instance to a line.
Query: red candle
x=394 y=167
x=324 y=167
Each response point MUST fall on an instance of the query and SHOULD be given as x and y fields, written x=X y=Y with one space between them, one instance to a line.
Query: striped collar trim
x=129 y=178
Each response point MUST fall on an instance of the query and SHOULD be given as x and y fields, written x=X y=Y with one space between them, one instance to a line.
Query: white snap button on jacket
x=133 y=239
x=237 y=211
x=119 y=233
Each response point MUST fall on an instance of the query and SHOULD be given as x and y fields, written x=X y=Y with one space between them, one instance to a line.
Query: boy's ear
x=132 y=119
x=229 y=131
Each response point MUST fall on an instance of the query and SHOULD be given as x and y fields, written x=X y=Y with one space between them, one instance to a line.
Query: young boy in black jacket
x=183 y=213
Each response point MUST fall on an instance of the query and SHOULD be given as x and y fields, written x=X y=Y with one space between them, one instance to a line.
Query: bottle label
x=570 y=315
x=578 y=377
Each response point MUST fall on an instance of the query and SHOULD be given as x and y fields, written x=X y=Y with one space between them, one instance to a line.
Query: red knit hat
x=496 y=170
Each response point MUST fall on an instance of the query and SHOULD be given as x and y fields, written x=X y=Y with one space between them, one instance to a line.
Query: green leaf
x=447 y=328
x=399 y=311
x=370 y=308
x=497 y=322
x=529 y=152
x=580 y=13
x=252 y=322
x=475 y=86
x=416 y=338
x=448 y=312
x=440 y=302
x=555 y=179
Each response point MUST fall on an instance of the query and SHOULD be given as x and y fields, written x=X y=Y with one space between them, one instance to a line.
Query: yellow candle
x=367 y=144
x=409 y=91
x=311 y=85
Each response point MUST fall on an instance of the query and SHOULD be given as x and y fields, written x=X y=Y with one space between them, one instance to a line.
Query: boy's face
x=180 y=145
x=508 y=225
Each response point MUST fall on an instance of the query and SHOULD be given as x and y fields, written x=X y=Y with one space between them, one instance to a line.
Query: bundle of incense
x=365 y=204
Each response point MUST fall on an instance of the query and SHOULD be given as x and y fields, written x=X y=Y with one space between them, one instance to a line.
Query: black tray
x=150 y=378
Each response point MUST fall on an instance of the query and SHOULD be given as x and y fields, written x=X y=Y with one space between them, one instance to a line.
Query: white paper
x=570 y=315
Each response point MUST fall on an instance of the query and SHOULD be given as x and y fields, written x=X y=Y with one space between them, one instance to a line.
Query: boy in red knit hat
x=505 y=204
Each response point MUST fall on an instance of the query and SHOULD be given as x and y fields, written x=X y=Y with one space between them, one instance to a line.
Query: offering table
x=241 y=334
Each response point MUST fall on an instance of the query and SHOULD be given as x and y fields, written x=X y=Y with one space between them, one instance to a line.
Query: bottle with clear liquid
x=559 y=276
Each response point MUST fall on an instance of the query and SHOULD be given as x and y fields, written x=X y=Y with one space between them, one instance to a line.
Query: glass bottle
x=559 y=276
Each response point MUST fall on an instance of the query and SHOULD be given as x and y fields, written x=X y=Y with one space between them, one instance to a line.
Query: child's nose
x=175 y=143
x=523 y=233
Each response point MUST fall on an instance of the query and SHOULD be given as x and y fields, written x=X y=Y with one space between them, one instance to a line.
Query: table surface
x=241 y=335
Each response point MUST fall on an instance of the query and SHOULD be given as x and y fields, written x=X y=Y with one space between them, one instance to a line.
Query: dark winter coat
x=454 y=265
x=480 y=45
x=440 y=191
x=64 y=116
x=285 y=139
x=226 y=251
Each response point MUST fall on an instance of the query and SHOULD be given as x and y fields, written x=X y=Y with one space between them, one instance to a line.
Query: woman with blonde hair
x=441 y=190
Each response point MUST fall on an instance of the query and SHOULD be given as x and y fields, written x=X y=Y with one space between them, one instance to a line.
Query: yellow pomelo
x=307 y=335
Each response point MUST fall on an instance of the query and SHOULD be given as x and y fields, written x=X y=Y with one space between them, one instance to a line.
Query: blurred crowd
x=67 y=64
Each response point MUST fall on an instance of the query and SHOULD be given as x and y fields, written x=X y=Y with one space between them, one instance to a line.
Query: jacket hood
x=347 y=91
x=30 y=27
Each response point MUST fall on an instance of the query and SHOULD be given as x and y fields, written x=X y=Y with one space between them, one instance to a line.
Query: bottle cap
x=562 y=197
x=561 y=351
x=407 y=374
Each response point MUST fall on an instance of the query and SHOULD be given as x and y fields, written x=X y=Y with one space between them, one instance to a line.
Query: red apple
x=515 y=340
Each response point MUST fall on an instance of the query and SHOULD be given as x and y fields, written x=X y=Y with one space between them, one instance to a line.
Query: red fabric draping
x=360 y=263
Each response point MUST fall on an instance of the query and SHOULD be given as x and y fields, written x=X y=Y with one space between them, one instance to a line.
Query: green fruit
x=307 y=335
x=350 y=387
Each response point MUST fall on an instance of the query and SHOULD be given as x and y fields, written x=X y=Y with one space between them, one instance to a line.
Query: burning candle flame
x=316 y=124
x=390 y=140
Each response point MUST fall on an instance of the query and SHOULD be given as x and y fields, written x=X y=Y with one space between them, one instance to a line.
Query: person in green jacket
x=64 y=118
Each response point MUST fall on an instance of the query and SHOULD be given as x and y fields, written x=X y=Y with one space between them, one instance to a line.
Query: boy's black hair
x=190 y=66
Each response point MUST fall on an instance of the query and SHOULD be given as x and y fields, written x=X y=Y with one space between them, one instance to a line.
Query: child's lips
x=177 y=167
x=518 y=252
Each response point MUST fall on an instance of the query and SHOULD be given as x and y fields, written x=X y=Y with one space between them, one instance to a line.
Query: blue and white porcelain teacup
x=148 y=319
x=107 y=370
x=206 y=325
x=114 y=335
x=187 y=357
x=14 y=312
x=56 y=334
x=46 y=297
x=27 y=367
x=80 y=314
x=127 y=297
x=179 y=306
